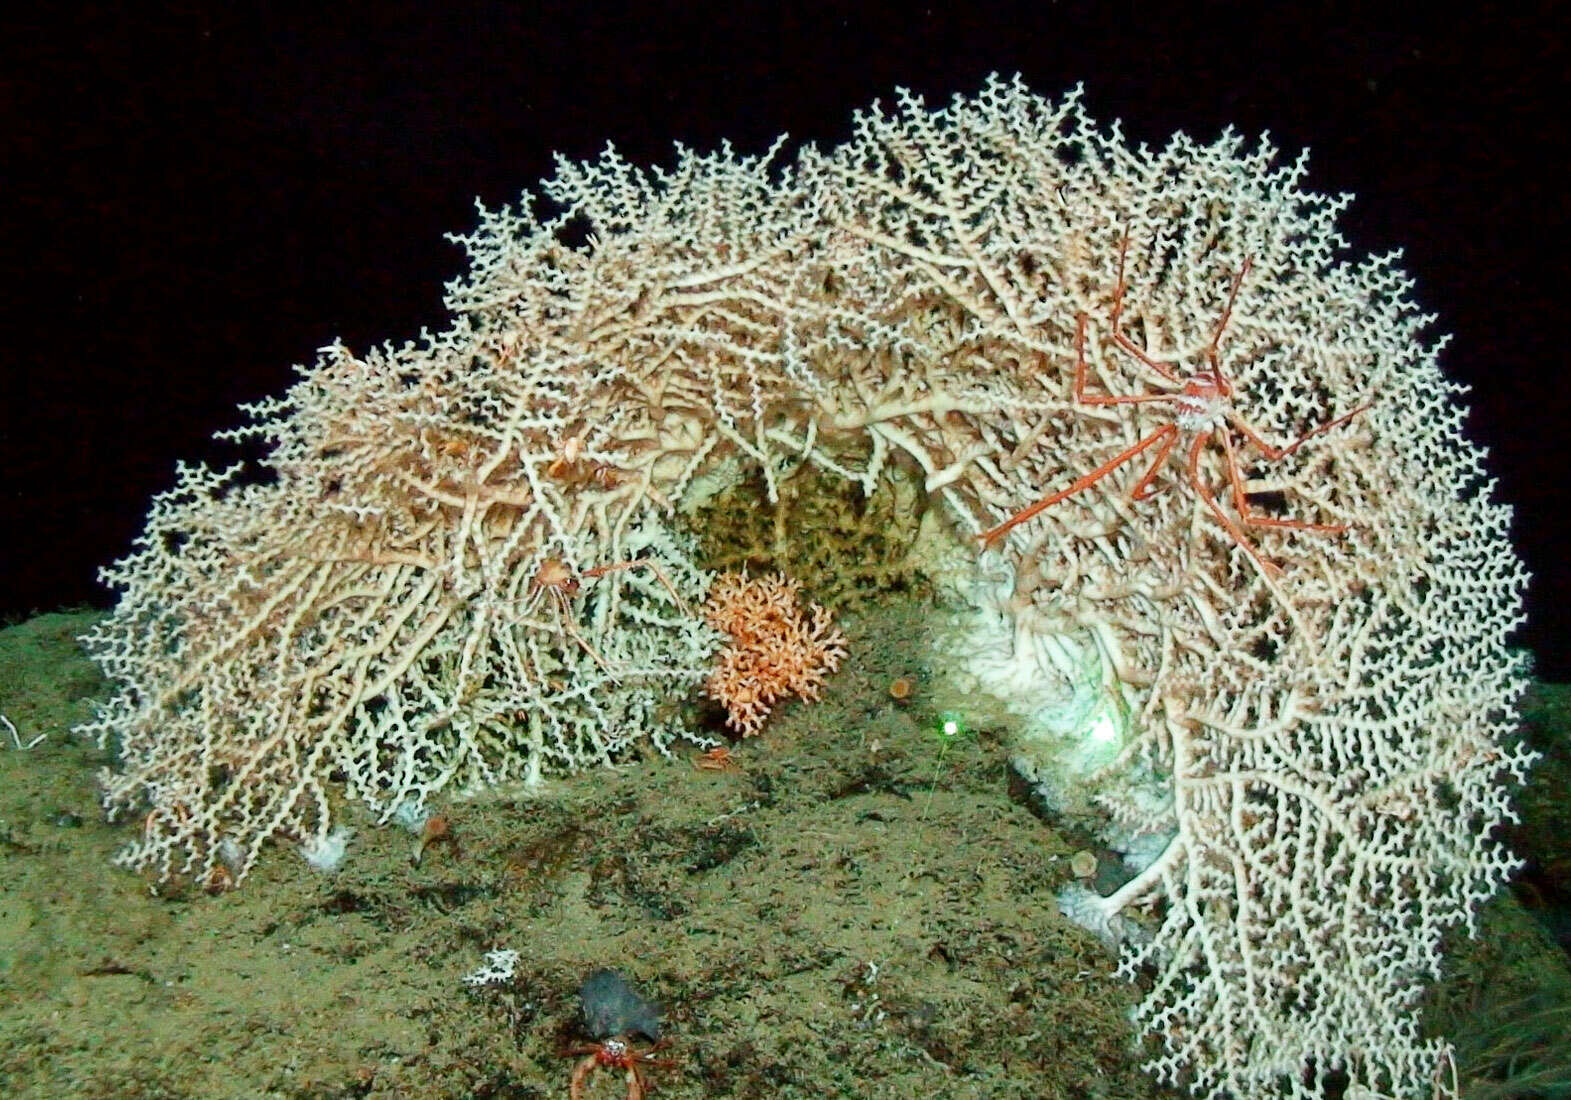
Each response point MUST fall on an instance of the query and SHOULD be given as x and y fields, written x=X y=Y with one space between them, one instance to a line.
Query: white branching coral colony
x=1259 y=621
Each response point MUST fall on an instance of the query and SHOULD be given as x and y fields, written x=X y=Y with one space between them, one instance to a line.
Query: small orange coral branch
x=775 y=650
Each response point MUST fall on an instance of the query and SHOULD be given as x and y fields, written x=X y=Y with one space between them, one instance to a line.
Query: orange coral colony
x=774 y=650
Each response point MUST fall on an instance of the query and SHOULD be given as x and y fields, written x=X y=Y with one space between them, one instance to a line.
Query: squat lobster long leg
x=1168 y=434
x=1254 y=519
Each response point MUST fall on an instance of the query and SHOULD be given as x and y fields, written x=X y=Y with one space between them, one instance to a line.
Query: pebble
x=613 y=1007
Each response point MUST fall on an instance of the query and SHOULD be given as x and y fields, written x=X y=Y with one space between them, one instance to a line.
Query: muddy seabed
x=857 y=912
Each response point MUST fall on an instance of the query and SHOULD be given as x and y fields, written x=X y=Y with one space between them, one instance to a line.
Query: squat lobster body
x=1201 y=405
x=555 y=575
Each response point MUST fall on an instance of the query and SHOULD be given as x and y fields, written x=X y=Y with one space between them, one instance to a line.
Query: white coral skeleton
x=1295 y=671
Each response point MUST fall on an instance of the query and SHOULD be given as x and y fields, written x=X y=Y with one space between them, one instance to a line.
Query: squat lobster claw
x=1204 y=408
x=618 y=1053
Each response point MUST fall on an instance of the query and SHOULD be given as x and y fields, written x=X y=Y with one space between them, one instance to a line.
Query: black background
x=197 y=196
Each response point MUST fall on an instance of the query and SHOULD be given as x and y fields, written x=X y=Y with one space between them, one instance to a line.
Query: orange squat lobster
x=717 y=760
x=613 y=1052
x=1203 y=408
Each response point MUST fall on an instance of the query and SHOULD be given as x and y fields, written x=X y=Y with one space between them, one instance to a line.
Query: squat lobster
x=719 y=759
x=556 y=578
x=613 y=1052
x=1204 y=408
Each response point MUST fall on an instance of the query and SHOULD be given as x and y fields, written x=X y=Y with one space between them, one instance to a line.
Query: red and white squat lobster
x=1204 y=408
